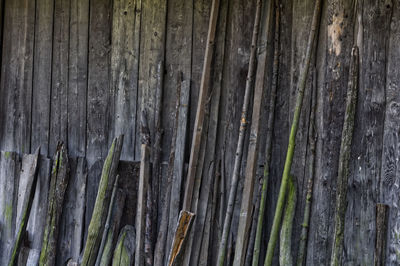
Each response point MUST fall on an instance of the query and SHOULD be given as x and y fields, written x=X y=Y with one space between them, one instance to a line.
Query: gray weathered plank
x=59 y=83
x=77 y=76
x=42 y=66
x=16 y=75
x=124 y=69
x=98 y=97
x=71 y=229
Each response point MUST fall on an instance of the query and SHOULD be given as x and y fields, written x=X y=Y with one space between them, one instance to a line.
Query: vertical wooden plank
x=37 y=219
x=98 y=97
x=390 y=173
x=16 y=75
x=10 y=166
x=70 y=240
x=178 y=59
x=77 y=76
x=42 y=67
x=124 y=72
x=366 y=163
x=382 y=214
x=331 y=106
x=59 y=87
x=141 y=206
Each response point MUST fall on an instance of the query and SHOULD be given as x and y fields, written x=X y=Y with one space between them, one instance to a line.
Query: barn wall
x=83 y=71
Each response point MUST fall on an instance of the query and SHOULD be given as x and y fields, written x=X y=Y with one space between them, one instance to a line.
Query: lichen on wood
x=125 y=249
x=99 y=216
x=58 y=185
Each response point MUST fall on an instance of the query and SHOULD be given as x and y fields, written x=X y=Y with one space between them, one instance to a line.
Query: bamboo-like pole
x=285 y=249
x=292 y=138
x=270 y=125
x=242 y=130
x=312 y=138
x=344 y=158
x=198 y=123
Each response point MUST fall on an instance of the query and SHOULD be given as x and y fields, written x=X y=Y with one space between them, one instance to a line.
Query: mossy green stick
x=292 y=137
x=100 y=210
x=285 y=250
x=344 y=158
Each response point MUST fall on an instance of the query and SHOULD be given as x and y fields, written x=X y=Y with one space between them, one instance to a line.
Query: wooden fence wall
x=82 y=71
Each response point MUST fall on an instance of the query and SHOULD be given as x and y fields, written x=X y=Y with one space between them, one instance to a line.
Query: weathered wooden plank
x=99 y=216
x=71 y=229
x=124 y=69
x=10 y=166
x=366 y=162
x=179 y=160
x=98 y=97
x=203 y=93
x=330 y=112
x=390 y=173
x=125 y=250
x=59 y=82
x=26 y=192
x=42 y=69
x=16 y=75
x=37 y=219
x=58 y=185
x=77 y=76
x=141 y=204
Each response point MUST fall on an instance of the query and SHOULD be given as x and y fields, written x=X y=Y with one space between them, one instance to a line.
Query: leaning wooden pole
x=58 y=185
x=198 y=123
x=292 y=138
x=102 y=203
x=253 y=147
x=285 y=247
x=312 y=139
x=344 y=158
x=242 y=131
x=268 y=148
x=26 y=210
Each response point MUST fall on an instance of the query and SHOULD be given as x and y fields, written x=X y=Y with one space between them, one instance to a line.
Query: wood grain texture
x=42 y=75
x=16 y=75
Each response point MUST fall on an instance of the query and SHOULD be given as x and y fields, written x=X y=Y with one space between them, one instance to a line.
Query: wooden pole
x=270 y=125
x=285 y=251
x=312 y=139
x=292 y=138
x=252 y=154
x=382 y=215
x=242 y=131
x=198 y=123
x=344 y=158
